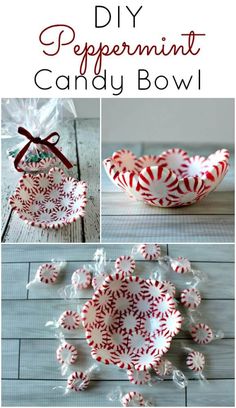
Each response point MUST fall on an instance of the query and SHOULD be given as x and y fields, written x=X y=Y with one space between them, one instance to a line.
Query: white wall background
x=193 y=121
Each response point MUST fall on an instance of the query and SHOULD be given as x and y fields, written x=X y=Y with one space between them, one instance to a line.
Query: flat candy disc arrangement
x=130 y=322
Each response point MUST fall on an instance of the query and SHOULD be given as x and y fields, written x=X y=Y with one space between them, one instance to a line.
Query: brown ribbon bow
x=38 y=140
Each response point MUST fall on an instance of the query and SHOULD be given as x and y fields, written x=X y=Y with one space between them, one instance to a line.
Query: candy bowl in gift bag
x=130 y=322
x=171 y=179
x=50 y=200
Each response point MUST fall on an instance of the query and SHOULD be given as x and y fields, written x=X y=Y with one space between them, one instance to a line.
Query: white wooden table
x=210 y=220
x=82 y=138
x=29 y=367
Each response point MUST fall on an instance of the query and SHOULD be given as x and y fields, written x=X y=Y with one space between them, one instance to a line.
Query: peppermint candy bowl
x=172 y=179
x=130 y=322
x=50 y=200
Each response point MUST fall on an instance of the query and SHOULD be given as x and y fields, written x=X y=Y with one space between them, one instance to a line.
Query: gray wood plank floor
x=29 y=368
x=82 y=139
x=125 y=220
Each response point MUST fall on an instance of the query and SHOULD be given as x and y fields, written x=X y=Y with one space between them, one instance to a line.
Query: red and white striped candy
x=190 y=190
x=194 y=166
x=150 y=251
x=147 y=161
x=218 y=156
x=190 y=298
x=195 y=361
x=171 y=324
x=174 y=159
x=160 y=342
x=181 y=265
x=129 y=182
x=113 y=170
x=81 y=279
x=201 y=333
x=126 y=159
x=69 y=320
x=169 y=287
x=138 y=377
x=47 y=273
x=67 y=353
x=133 y=399
x=78 y=381
x=163 y=368
x=165 y=306
x=158 y=186
x=215 y=174
x=125 y=264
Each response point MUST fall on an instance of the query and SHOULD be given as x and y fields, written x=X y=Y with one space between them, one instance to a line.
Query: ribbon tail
x=59 y=154
x=20 y=155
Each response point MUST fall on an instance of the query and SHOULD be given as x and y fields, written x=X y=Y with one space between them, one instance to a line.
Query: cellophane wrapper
x=40 y=117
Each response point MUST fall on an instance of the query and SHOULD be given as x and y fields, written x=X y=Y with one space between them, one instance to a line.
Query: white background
x=22 y=55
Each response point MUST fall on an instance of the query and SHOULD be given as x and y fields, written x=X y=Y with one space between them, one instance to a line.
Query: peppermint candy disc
x=125 y=158
x=138 y=377
x=66 y=353
x=190 y=298
x=174 y=159
x=150 y=251
x=194 y=166
x=81 y=279
x=181 y=265
x=133 y=399
x=47 y=273
x=171 y=324
x=163 y=368
x=169 y=287
x=201 y=333
x=78 y=381
x=69 y=320
x=125 y=264
x=218 y=156
x=195 y=361
x=158 y=186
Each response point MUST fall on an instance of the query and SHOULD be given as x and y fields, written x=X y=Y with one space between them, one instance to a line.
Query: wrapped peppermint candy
x=150 y=252
x=47 y=273
x=101 y=268
x=37 y=124
x=128 y=399
x=201 y=332
x=66 y=354
x=195 y=361
x=80 y=279
x=125 y=264
x=165 y=369
x=138 y=377
x=79 y=381
x=68 y=321
x=190 y=298
x=180 y=265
